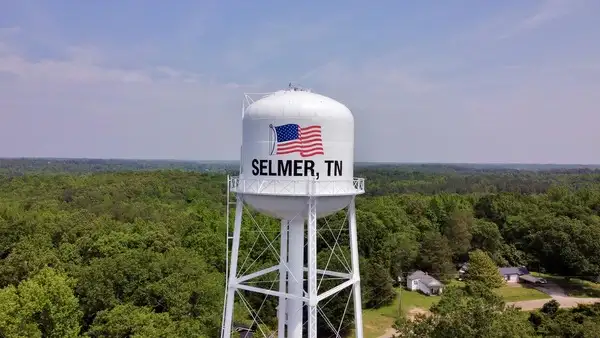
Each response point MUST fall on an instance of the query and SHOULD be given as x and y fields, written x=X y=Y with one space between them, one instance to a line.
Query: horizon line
x=234 y=161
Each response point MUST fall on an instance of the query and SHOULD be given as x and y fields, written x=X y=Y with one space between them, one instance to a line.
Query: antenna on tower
x=298 y=88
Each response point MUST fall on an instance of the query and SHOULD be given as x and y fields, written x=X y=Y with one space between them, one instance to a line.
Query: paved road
x=557 y=293
x=552 y=290
x=565 y=302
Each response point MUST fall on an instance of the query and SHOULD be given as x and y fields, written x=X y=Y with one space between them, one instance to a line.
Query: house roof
x=424 y=278
x=513 y=271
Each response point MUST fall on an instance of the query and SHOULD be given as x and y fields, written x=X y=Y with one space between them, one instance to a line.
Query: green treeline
x=141 y=253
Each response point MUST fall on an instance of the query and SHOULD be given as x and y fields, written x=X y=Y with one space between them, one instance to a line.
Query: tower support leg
x=232 y=284
x=283 y=276
x=355 y=270
x=295 y=277
x=312 y=267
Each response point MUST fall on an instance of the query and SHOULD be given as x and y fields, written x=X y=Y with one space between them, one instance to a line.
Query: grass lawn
x=377 y=321
x=518 y=293
x=574 y=287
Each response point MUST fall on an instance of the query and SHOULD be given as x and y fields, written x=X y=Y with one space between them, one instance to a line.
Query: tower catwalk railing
x=281 y=187
x=291 y=293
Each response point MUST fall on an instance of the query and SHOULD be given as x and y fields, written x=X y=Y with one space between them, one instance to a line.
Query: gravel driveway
x=557 y=293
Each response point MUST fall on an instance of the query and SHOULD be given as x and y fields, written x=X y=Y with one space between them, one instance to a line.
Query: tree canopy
x=470 y=313
x=482 y=269
x=133 y=251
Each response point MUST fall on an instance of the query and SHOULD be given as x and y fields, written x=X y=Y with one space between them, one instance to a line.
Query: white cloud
x=515 y=21
x=526 y=113
x=72 y=72
x=427 y=103
x=9 y=31
x=78 y=106
x=6 y=35
x=548 y=11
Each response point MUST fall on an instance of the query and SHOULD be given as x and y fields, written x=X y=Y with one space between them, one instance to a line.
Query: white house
x=421 y=281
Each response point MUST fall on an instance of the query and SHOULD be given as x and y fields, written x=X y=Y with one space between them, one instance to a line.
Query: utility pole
x=401 y=287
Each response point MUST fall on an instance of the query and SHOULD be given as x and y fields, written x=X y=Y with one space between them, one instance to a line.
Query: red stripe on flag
x=310 y=143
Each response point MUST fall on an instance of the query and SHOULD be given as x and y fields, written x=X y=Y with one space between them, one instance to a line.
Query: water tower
x=296 y=165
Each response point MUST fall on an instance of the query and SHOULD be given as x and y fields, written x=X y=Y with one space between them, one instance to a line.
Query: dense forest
x=131 y=251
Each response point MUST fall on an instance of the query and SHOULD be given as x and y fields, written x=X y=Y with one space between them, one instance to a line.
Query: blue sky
x=427 y=81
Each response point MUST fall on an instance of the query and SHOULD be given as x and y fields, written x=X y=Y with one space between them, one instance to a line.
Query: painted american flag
x=291 y=138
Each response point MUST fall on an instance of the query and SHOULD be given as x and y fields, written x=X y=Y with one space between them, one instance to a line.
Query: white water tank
x=297 y=142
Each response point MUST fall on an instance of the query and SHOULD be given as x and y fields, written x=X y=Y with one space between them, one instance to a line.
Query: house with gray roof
x=512 y=274
x=421 y=281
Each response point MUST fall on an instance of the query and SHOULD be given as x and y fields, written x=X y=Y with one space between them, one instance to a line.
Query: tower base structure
x=292 y=295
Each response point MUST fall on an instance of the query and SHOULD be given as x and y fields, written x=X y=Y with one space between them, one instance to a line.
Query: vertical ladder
x=228 y=239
